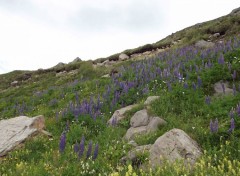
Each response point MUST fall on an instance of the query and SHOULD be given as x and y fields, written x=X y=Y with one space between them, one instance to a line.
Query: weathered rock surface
x=119 y=114
x=60 y=74
x=204 y=44
x=123 y=57
x=218 y=87
x=134 y=132
x=174 y=145
x=14 y=83
x=134 y=153
x=76 y=60
x=150 y=100
x=16 y=130
x=154 y=123
x=140 y=118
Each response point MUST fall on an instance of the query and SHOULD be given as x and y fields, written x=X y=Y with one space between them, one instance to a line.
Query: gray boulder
x=134 y=132
x=150 y=100
x=218 y=87
x=14 y=83
x=154 y=124
x=140 y=118
x=123 y=57
x=204 y=44
x=174 y=145
x=16 y=130
x=118 y=115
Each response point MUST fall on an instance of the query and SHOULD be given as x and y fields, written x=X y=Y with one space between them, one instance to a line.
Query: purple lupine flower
x=221 y=59
x=199 y=81
x=232 y=125
x=76 y=147
x=185 y=85
x=223 y=87
x=114 y=121
x=231 y=114
x=214 y=126
x=95 y=154
x=62 y=143
x=89 y=151
x=208 y=100
x=81 y=147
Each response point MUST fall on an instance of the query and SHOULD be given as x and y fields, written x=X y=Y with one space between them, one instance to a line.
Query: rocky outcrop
x=16 y=130
x=123 y=57
x=204 y=44
x=118 y=115
x=174 y=145
x=141 y=124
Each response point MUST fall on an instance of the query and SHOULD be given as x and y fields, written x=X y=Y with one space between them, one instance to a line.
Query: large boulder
x=174 y=145
x=204 y=44
x=140 y=118
x=150 y=100
x=16 y=130
x=118 y=115
x=123 y=57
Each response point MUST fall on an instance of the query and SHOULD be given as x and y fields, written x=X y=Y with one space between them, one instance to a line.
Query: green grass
x=47 y=94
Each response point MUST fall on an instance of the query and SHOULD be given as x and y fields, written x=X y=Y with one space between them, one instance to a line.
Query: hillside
x=198 y=89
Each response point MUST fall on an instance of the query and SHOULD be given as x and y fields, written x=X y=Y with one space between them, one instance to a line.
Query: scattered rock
x=106 y=76
x=60 y=74
x=133 y=143
x=218 y=87
x=14 y=83
x=119 y=114
x=73 y=72
x=134 y=153
x=76 y=60
x=204 y=44
x=150 y=100
x=216 y=35
x=154 y=123
x=174 y=145
x=123 y=57
x=16 y=130
x=134 y=132
x=60 y=64
x=140 y=118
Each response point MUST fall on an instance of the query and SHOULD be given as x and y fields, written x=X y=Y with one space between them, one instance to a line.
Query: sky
x=41 y=33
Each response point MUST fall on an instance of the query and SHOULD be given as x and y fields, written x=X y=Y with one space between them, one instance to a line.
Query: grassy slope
x=182 y=108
